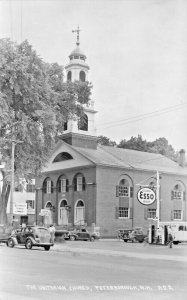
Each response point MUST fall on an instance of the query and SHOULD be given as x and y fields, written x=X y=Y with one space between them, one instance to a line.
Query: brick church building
x=92 y=185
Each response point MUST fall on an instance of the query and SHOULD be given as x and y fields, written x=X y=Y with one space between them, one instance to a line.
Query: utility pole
x=12 y=182
x=158 y=199
x=14 y=142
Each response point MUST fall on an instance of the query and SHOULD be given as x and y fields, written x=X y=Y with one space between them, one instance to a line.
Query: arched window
x=65 y=125
x=178 y=197
x=69 y=75
x=124 y=188
x=62 y=156
x=79 y=183
x=83 y=123
x=79 y=214
x=80 y=203
x=82 y=76
x=63 y=184
x=124 y=192
x=48 y=186
x=63 y=203
x=48 y=205
x=178 y=192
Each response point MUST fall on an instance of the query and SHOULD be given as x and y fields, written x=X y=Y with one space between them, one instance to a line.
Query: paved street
x=86 y=270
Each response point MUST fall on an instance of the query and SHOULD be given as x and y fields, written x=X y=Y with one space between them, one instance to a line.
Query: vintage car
x=5 y=233
x=135 y=235
x=83 y=235
x=31 y=236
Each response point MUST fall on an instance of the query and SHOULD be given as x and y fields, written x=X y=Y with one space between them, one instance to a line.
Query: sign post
x=158 y=200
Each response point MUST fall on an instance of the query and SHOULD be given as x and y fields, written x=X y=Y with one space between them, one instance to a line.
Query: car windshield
x=42 y=232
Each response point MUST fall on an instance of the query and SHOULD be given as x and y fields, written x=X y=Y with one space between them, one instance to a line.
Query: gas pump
x=151 y=234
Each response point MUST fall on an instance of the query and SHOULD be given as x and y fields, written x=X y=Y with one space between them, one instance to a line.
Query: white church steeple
x=77 y=70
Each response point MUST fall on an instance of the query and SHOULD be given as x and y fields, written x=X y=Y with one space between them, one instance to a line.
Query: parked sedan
x=31 y=236
x=83 y=235
x=135 y=235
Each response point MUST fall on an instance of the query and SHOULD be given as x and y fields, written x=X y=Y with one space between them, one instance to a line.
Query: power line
x=144 y=116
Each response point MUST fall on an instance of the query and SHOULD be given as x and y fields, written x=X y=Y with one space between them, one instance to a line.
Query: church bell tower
x=77 y=133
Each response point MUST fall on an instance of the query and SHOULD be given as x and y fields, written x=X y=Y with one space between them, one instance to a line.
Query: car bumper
x=43 y=244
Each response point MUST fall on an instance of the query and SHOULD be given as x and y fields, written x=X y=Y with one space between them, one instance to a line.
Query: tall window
x=48 y=186
x=82 y=76
x=177 y=192
x=124 y=192
x=79 y=183
x=69 y=76
x=63 y=184
x=83 y=123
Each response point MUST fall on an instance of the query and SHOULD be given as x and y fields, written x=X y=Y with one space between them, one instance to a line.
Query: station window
x=151 y=213
x=123 y=212
x=177 y=215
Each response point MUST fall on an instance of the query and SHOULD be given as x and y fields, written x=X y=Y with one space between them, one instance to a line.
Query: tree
x=34 y=104
x=135 y=143
x=105 y=141
x=160 y=145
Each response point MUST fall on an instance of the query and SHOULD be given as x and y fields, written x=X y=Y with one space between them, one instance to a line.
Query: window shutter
x=59 y=186
x=83 y=184
x=131 y=192
x=52 y=186
x=45 y=187
x=184 y=196
x=75 y=183
x=117 y=212
x=117 y=190
x=172 y=216
x=172 y=195
x=131 y=215
x=67 y=185
x=145 y=213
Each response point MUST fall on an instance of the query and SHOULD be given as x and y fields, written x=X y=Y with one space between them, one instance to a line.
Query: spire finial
x=77 y=31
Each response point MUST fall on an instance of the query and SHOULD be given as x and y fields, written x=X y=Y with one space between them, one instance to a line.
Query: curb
x=114 y=253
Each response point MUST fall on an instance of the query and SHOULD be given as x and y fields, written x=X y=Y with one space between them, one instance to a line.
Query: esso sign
x=146 y=196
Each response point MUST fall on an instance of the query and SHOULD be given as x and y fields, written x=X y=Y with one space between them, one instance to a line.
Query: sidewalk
x=67 y=247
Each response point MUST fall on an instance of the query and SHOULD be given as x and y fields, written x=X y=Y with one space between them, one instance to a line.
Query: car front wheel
x=28 y=244
x=72 y=238
x=10 y=243
x=47 y=248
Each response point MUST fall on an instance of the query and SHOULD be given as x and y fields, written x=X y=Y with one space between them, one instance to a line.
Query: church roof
x=112 y=157
x=131 y=159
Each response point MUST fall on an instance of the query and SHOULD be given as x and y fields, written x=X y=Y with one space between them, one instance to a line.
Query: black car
x=83 y=235
x=31 y=236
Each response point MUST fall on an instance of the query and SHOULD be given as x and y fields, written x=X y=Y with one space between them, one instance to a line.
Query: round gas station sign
x=146 y=196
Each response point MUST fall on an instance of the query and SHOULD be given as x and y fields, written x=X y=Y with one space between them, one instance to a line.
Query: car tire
x=72 y=238
x=175 y=242
x=10 y=243
x=47 y=248
x=28 y=244
x=125 y=241
x=92 y=239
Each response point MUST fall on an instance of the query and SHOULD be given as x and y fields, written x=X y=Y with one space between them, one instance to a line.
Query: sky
x=136 y=50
